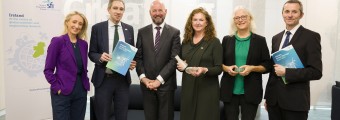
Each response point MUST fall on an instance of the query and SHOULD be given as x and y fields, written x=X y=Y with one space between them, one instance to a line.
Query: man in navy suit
x=291 y=101
x=158 y=44
x=110 y=85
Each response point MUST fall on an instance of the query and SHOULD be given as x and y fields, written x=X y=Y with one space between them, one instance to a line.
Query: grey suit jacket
x=99 y=43
x=161 y=63
x=295 y=95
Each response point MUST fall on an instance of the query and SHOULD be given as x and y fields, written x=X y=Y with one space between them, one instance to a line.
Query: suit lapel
x=251 y=47
x=69 y=46
x=164 y=37
x=126 y=33
x=149 y=39
x=277 y=41
x=83 y=51
x=296 y=35
x=231 y=47
x=105 y=34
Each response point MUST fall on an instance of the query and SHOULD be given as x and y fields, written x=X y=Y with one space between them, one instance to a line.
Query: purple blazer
x=61 y=67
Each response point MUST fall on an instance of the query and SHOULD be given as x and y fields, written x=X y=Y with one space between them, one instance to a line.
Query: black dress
x=200 y=95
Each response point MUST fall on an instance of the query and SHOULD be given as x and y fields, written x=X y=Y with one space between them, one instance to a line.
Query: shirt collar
x=161 y=25
x=294 y=29
x=111 y=24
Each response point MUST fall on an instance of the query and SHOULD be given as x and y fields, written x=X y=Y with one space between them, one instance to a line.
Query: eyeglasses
x=243 y=17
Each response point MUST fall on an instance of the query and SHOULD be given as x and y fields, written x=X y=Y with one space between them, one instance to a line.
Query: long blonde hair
x=209 y=30
x=82 y=34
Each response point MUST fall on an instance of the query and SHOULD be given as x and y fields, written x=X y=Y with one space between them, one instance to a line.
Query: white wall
x=337 y=46
x=324 y=19
x=337 y=64
x=2 y=84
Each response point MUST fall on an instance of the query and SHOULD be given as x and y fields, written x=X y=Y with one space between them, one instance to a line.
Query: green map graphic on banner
x=39 y=49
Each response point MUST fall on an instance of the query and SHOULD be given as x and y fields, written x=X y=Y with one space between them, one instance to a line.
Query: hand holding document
x=122 y=57
x=288 y=58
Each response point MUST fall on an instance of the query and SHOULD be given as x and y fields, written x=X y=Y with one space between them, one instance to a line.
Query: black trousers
x=158 y=105
x=232 y=109
x=70 y=107
x=275 y=112
x=116 y=89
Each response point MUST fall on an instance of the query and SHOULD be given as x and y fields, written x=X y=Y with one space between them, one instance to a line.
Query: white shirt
x=155 y=31
x=292 y=31
x=159 y=77
x=111 y=32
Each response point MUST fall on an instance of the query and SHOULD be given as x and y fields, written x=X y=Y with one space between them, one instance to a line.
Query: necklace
x=74 y=44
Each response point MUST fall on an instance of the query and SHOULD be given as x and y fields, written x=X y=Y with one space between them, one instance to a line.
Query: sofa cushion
x=135 y=97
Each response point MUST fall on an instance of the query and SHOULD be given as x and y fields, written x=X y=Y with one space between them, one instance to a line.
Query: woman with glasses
x=245 y=59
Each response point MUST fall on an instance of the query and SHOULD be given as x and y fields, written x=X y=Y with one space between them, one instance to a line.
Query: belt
x=113 y=75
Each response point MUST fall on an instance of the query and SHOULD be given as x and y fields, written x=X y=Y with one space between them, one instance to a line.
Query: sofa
x=335 y=101
x=136 y=110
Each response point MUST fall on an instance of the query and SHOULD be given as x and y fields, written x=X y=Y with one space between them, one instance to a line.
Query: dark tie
x=116 y=37
x=285 y=44
x=157 y=38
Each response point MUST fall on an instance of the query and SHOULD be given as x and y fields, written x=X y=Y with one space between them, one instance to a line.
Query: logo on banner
x=29 y=55
x=46 y=5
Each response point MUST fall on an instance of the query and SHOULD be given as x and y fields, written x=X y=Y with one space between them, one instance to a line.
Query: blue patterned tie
x=157 y=38
x=285 y=44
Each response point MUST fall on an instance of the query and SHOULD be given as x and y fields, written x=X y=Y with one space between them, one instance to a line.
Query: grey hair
x=233 y=27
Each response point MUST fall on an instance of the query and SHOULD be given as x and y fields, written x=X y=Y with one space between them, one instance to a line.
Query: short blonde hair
x=82 y=34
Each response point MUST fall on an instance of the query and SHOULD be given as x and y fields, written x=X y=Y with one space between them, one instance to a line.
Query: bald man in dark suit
x=158 y=44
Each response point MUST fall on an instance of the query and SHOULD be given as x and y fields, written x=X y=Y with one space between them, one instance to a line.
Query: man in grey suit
x=158 y=44
x=291 y=101
x=110 y=85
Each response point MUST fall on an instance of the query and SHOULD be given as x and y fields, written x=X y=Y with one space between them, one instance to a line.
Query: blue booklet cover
x=122 y=56
x=288 y=58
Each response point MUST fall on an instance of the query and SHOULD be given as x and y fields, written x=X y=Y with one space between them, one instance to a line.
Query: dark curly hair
x=209 y=30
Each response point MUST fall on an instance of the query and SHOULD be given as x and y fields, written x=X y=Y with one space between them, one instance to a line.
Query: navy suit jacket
x=99 y=43
x=61 y=66
x=295 y=95
x=161 y=63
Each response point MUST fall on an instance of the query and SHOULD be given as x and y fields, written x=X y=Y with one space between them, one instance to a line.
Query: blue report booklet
x=122 y=56
x=288 y=58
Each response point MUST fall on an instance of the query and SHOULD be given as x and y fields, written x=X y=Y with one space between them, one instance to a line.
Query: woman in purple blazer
x=66 y=69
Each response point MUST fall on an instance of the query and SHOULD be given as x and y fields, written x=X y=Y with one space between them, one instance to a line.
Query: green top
x=241 y=53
